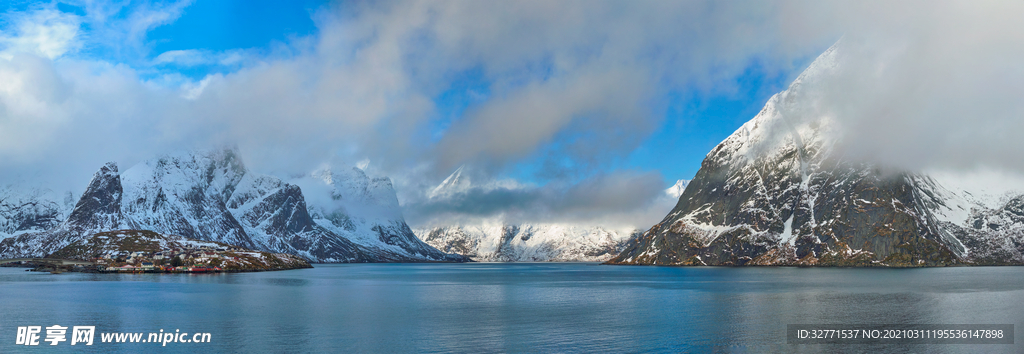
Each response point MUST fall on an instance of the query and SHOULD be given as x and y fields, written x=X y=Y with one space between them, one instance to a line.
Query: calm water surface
x=538 y=307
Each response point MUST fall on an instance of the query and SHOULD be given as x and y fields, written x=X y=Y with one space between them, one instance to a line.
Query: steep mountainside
x=494 y=240
x=209 y=195
x=366 y=211
x=776 y=192
x=99 y=209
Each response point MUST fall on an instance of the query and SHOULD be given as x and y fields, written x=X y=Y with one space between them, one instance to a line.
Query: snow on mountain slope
x=501 y=242
x=495 y=240
x=366 y=211
x=777 y=192
x=677 y=189
x=25 y=208
x=184 y=194
x=210 y=195
x=99 y=209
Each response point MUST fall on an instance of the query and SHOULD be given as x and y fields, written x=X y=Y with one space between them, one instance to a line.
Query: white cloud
x=188 y=57
x=194 y=57
x=929 y=85
x=609 y=105
x=44 y=32
x=622 y=199
x=192 y=90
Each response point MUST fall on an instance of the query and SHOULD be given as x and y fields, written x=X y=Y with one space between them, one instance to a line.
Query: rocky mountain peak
x=775 y=193
x=100 y=204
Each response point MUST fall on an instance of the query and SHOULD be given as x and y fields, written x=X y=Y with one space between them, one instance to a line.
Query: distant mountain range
x=210 y=195
x=493 y=239
x=777 y=192
x=497 y=241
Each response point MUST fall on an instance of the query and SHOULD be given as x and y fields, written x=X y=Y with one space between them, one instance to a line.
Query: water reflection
x=509 y=307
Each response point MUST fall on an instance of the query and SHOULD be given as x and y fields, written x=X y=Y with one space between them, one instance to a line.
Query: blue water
x=574 y=307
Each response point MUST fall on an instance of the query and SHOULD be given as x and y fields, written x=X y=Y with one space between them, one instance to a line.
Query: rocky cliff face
x=210 y=195
x=776 y=192
x=993 y=236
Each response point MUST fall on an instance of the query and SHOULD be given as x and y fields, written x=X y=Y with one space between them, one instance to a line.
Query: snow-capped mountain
x=210 y=195
x=495 y=240
x=366 y=211
x=98 y=209
x=32 y=209
x=677 y=189
x=777 y=192
x=503 y=242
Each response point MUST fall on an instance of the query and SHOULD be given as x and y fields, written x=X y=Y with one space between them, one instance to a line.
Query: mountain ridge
x=210 y=195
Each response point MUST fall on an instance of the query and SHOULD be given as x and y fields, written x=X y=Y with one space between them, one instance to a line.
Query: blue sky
x=225 y=25
x=691 y=122
x=551 y=98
